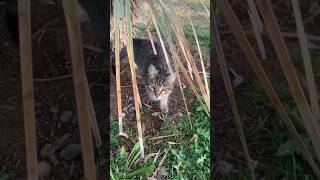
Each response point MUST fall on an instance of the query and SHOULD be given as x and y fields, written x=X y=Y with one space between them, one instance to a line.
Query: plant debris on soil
x=57 y=132
x=258 y=124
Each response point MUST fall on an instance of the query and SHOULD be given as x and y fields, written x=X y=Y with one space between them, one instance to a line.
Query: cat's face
x=159 y=86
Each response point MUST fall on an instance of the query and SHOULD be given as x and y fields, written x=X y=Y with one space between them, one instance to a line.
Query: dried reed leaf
x=289 y=72
x=81 y=92
x=201 y=59
x=307 y=64
x=117 y=16
x=133 y=76
x=24 y=11
x=252 y=59
x=227 y=82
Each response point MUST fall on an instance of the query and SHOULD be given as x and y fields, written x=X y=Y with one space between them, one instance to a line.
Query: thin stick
x=150 y=35
x=307 y=63
x=289 y=72
x=133 y=77
x=227 y=81
x=160 y=38
x=27 y=88
x=74 y=33
x=200 y=55
x=117 y=59
x=252 y=59
x=184 y=99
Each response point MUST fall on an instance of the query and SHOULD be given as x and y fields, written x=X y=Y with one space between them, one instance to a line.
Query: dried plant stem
x=24 y=11
x=252 y=59
x=74 y=34
x=133 y=76
x=161 y=40
x=150 y=36
x=307 y=63
x=227 y=81
x=289 y=72
x=201 y=59
x=184 y=99
x=117 y=62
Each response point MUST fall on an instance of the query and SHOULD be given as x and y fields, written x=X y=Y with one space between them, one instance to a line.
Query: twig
x=27 y=88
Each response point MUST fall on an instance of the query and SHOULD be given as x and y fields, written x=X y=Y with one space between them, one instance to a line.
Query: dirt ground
x=227 y=145
x=53 y=91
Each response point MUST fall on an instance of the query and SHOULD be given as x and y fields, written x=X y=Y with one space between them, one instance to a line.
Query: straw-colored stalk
x=201 y=59
x=24 y=11
x=133 y=76
x=176 y=60
x=161 y=40
x=117 y=62
x=81 y=92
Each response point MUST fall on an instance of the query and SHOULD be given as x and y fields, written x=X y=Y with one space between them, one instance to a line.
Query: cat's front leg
x=164 y=105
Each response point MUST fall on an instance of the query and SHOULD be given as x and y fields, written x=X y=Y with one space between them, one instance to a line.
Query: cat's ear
x=152 y=72
x=172 y=78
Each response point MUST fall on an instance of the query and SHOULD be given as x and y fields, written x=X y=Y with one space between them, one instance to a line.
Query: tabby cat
x=158 y=80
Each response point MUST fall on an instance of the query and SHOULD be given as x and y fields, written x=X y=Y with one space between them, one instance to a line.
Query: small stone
x=180 y=114
x=70 y=151
x=54 y=110
x=123 y=114
x=155 y=114
x=131 y=109
x=44 y=169
x=66 y=116
x=48 y=150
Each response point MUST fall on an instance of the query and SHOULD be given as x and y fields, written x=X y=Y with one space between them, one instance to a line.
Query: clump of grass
x=190 y=159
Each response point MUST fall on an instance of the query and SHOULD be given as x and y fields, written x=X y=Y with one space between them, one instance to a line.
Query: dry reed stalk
x=201 y=59
x=227 y=82
x=184 y=99
x=133 y=76
x=257 y=26
x=160 y=38
x=74 y=34
x=307 y=64
x=252 y=59
x=24 y=12
x=150 y=35
x=117 y=63
x=289 y=72
x=181 y=39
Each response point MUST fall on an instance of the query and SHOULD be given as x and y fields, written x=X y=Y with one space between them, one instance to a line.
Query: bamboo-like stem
x=74 y=34
x=133 y=76
x=24 y=11
x=117 y=62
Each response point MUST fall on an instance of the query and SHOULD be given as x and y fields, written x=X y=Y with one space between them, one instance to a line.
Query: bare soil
x=53 y=92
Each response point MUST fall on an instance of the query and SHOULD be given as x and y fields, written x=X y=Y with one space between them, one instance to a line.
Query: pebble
x=44 y=169
x=66 y=116
x=70 y=151
x=131 y=109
